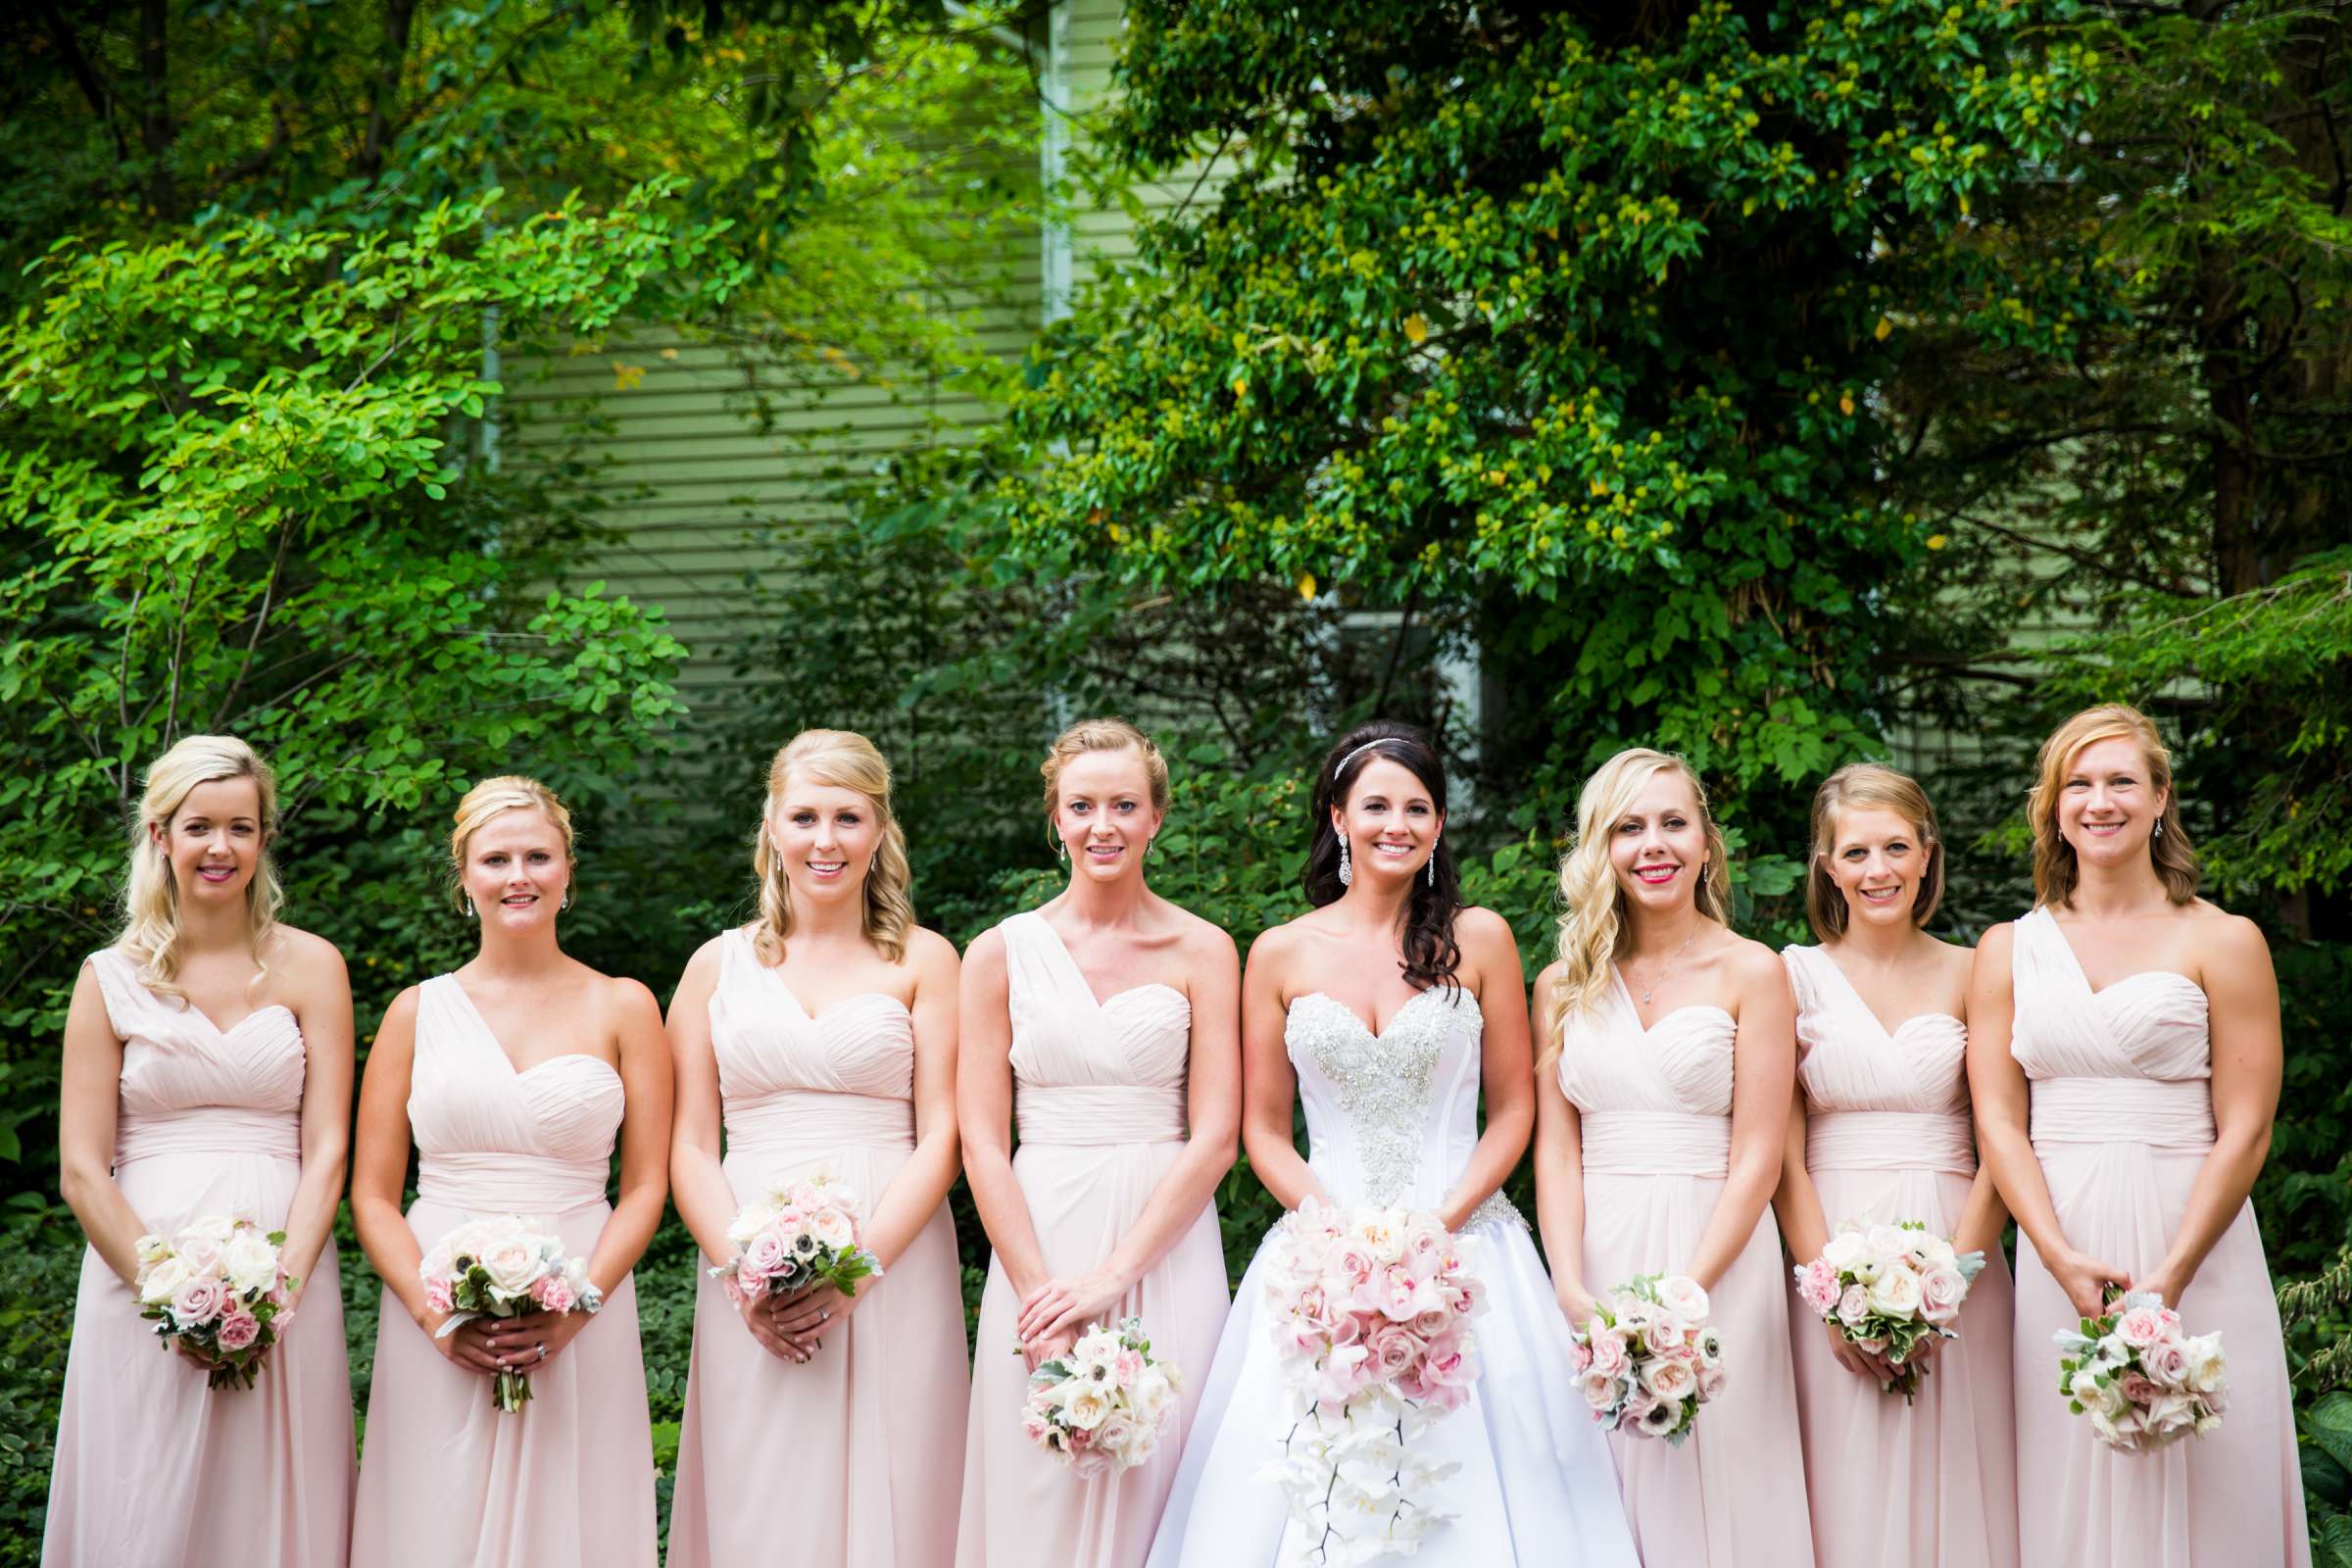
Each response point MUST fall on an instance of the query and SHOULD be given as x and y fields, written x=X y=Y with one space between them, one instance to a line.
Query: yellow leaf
x=1845 y=404
x=626 y=377
x=1307 y=585
x=1937 y=541
x=670 y=354
x=1416 y=331
x=1599 y=489
x=1241 y=386
x=1885 y=326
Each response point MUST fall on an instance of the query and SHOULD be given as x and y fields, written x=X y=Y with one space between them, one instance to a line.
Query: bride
x=1390 y=1054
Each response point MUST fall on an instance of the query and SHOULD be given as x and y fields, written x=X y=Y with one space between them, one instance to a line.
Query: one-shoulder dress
x=153 y=1467
x=446 y=1478
x=1889 y=1139
x=1098 y=1106
x=861 y=1448
x=1655 y=1110
x=2122 y=1121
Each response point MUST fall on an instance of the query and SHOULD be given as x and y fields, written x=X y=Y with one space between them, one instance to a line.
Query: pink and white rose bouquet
x=504 y=1265
x=1649 y=1357
x=2142 y=1379
x=1887 y=1288
x=1102 y=1406
x=798 y=1236
x=1370 y=1309
x=217 y=1288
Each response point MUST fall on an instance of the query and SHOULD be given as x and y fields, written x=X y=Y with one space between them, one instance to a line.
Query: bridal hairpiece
x=1360 y=750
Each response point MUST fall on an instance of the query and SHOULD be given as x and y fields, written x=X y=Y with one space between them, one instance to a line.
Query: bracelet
x=591 y=1299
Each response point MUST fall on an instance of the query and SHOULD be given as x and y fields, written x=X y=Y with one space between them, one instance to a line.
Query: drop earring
x=469 y=914
x=1433 y=867
x=2160 y=827
x=567 y=903
x=1347 y=870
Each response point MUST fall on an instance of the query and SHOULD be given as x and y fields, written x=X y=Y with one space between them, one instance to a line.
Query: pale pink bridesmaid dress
x=445 y=1478
x=1655 y=1110
x=153 y=1467
x=1098 y=1101
x=2122 y=1121
x=1888 y=1139
x=860 y=1448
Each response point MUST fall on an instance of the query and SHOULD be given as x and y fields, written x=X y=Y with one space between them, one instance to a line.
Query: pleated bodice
x=1878 y=1100
x=190 y=1087
x=788 y=1077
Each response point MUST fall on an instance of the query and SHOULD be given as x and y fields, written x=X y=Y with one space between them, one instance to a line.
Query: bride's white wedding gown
x=1391 y=1120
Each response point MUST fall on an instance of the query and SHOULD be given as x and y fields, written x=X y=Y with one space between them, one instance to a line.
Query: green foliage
x=1506 y=350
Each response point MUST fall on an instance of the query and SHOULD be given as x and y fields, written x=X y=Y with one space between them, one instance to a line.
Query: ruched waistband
x=2154 y=1113
x=819 y=1118
x=210 y=1130
x=1656 y=1143
x=510 y=1183
x=1891 y=1140
x=1100 y=1113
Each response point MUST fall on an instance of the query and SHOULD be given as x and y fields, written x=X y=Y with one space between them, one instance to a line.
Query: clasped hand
x=1053 y=1314
x=793 y=1326
x=493 y=1344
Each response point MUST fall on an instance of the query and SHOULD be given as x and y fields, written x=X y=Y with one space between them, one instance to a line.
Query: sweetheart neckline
x=1854 y=993
x=1375 y=1034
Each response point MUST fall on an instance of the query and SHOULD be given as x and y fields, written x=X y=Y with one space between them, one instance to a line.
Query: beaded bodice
x=1391 y=1118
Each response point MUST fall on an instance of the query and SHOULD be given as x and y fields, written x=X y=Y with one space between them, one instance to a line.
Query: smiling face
x=825 y=835
x=517 y=871
x=1388 y=821
x=1658 y=845
x=2108 y=803
x=214 y=842
x=1878 y=860
x=1104 y=813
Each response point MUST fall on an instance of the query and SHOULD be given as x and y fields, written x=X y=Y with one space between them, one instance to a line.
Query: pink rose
x=2139 y=1328
x=554 y=1292
x=239 y=1330
x=1639 y=1402
x=1941 y=1292
x=1854 y=1306
x=1434 y=1322
x=1126 y=1367
x=2166 y=1364
x=439 y=1295
x=199 y=1302
x=1664 y=1334
x=2138 y=1389
x=1608 y=1354
x=1393 y=1349
x=1354 y=1261
x=1583 y=1356
x=767 y=1254
x=1710 y=1380
x=1818 y=1288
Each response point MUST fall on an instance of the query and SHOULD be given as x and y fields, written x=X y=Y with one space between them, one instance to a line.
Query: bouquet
x=504 y=1266
x=1649 y=1359
x=2142 y=1381
x=1370 y=1311
x=796 y=1236
x=215 y=1288
x=1101 y=1405
x=1888 y=1287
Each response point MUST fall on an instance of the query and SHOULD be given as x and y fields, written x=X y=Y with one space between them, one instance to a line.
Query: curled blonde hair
x=1593 y=928
x=1867 y=785
x=1103 y=735
x=2054 y=869
x=494 y=797
x=150 y=932
x=849 y=761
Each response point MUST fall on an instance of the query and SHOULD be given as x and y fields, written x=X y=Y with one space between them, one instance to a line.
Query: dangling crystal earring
x=1433 y=867
x=469 y=914
x=1346 y=871
x=567 y=903
x=2160 y=827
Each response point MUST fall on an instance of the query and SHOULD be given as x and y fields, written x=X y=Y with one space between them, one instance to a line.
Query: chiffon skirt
x=1933 y=1483
x=448 y=1479
x=154 y=1469
x=1535 y=1486
x=1733 y=1495
x=2232 y=1498
x=861 y=1448
x=1020 y=1507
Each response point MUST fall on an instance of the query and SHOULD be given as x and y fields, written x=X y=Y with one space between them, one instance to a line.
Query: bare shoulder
x=1958 y=958
x=1994 y=945
x=1278 y=944
x=1203 y=941
x=1476 y=924
x=628 y=1004
x=402 y=1012
x=931 y=955
x=306 y=956
x=1748 y=962
x=2231 y=938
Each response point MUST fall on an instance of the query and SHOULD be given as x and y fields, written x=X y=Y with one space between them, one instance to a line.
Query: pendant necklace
x=1667 y=968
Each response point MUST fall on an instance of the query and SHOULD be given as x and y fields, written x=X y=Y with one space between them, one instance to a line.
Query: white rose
x=1086 y=1408
x=152 y=1247
x=161 y=1281
x=1670 y=1380
x=1685 y=1297
x=1844 y=1250
x=515 y=1265
x=1895 y=1292
x=250 y=1261
x=833 y=1228
x=2208 y=1368
x=216 y=1227
x=750 y=1223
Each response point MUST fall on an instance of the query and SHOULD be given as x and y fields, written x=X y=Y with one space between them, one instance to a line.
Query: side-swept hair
x=844 y=760
x=1866 y=786
x=2054 y=869
x=150 y=932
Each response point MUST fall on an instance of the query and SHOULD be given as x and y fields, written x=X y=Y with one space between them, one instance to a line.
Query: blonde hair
x=1593 y=928
x=1103 y=735
x=1867 y=785
x=848 y=762
x=2054 y=868
x=150 y=932
x=493 y=796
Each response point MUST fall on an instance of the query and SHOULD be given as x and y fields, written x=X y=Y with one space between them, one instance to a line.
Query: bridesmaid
x=1664 y=1091
x=207 y=1071
x=1880 y=1133
x=823 y=1037
x=1108 y=1023
x=2124 y=1056
x=511 y=1076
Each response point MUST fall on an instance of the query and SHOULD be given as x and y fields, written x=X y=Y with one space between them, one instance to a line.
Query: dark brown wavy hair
x=1431 y=953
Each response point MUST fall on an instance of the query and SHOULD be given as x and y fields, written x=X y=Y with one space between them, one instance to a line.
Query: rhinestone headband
x=1359 y=752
